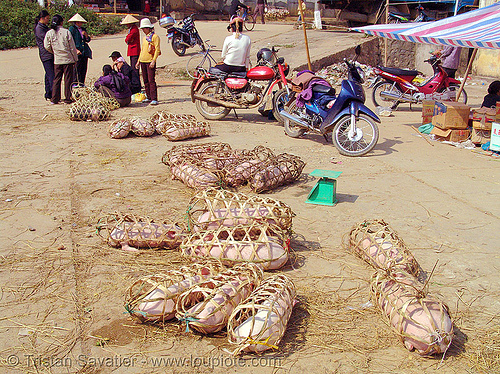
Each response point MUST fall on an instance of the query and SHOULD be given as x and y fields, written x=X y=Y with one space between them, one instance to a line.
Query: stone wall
x=399 y=54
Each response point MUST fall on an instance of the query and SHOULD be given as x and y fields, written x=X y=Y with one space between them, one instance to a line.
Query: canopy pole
x=305 y=35
x=469 y=66
x=114 y=6
x=385 y=39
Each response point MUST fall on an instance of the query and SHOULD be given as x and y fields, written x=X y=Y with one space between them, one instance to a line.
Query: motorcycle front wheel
x=280 y=98
x=177 y=46
x=378 y=100
x=209 y=110
x=357 y=143
x=291 y=129
x=463 y=95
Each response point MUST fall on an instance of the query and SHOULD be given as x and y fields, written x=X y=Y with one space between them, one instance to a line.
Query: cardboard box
x=427 y=108
x=452 y=135
x=495 y=136
x=450 y=115
x=480 y=136
x=480 y=125
x=426 y=119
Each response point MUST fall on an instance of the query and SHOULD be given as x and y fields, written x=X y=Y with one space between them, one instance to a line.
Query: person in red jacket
x=133 y=40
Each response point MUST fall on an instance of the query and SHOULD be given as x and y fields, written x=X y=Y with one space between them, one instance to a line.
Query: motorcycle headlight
x=286 y=68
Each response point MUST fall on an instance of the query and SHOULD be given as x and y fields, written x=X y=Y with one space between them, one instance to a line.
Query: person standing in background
x=299 y=19
x=234 y=7
x=150 y=51
x=133 y=40
x=261 y=9
x=450 y=59
x=147 y=8
x=59 y=42
x=42 y=22
x=81 y=38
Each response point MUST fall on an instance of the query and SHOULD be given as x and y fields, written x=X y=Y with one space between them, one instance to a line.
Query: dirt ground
x=63 y=288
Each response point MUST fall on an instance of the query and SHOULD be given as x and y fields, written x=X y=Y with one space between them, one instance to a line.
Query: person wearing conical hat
x=81 y=38
x=150 y=51
x=133 y=40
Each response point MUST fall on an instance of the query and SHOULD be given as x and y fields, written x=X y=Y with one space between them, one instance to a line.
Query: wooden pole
x=385 y=39
x=114 y=6
x=469 y=66
x=305 y=35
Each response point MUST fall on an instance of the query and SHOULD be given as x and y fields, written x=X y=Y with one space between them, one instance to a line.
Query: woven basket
x=258 y=242
x=259 y=323
x=140 y=232
x=421 y=320
x=377 y=244
x=178 y=154
x=194 y=176
x=211 y=208
x=161 y=119
x=142 y=127
x=179 y=130
x=81 y=111
x=120 y=128
x=207 y=307
x=247 y=163
x=281 y=170
x=153 y=298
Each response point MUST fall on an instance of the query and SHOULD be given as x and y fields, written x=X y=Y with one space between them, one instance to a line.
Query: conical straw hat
x=129 y=19
x=77 y=18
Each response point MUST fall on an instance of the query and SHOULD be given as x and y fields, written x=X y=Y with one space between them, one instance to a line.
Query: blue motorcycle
x=352 y=124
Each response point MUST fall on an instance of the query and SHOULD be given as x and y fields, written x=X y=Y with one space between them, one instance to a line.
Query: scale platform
x=325 y=190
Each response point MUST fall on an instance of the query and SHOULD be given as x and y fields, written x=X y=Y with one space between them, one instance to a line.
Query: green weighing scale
x=324 y=192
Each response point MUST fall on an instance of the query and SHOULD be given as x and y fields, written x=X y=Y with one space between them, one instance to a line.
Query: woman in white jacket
x=60 y=43
x=236 y=49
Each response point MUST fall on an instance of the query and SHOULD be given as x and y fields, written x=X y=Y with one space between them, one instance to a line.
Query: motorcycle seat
x=397 y=71
x=320 y=88
x=238 y=74
x=216 y=72
x=406 y=15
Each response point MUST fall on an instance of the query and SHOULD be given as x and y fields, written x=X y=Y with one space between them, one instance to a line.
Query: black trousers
x=450 y=72
x=231 y=68
x=48 y=66
x=81 y=68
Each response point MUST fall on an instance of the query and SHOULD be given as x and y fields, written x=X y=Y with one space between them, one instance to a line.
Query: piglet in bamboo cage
x=258 y=242
x=132 y=232
x=194 y=176
x=284 y=169
x=211 y=208
x=153 y=298
x=259 y=323
x=377 y=244
x=214 y=304
x=120 y=128
x=234 y=216
x=422 y=321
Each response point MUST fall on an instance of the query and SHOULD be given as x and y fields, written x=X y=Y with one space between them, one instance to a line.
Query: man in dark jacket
x=233 y=8
x=120 y=65
x=41 y=28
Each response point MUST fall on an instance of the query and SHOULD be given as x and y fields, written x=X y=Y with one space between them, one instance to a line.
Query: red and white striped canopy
x=479 y=28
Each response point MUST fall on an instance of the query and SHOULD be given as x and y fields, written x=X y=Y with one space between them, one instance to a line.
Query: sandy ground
x=63 y=288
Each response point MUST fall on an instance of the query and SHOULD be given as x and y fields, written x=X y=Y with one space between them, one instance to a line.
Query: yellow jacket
x=145 y=56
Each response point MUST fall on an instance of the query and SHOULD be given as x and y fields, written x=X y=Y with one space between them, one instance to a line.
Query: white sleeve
x=247 y=60
x=224 y=48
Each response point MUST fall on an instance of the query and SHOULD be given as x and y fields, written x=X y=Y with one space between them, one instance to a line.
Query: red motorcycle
x=394 y=86
x=215 y=92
